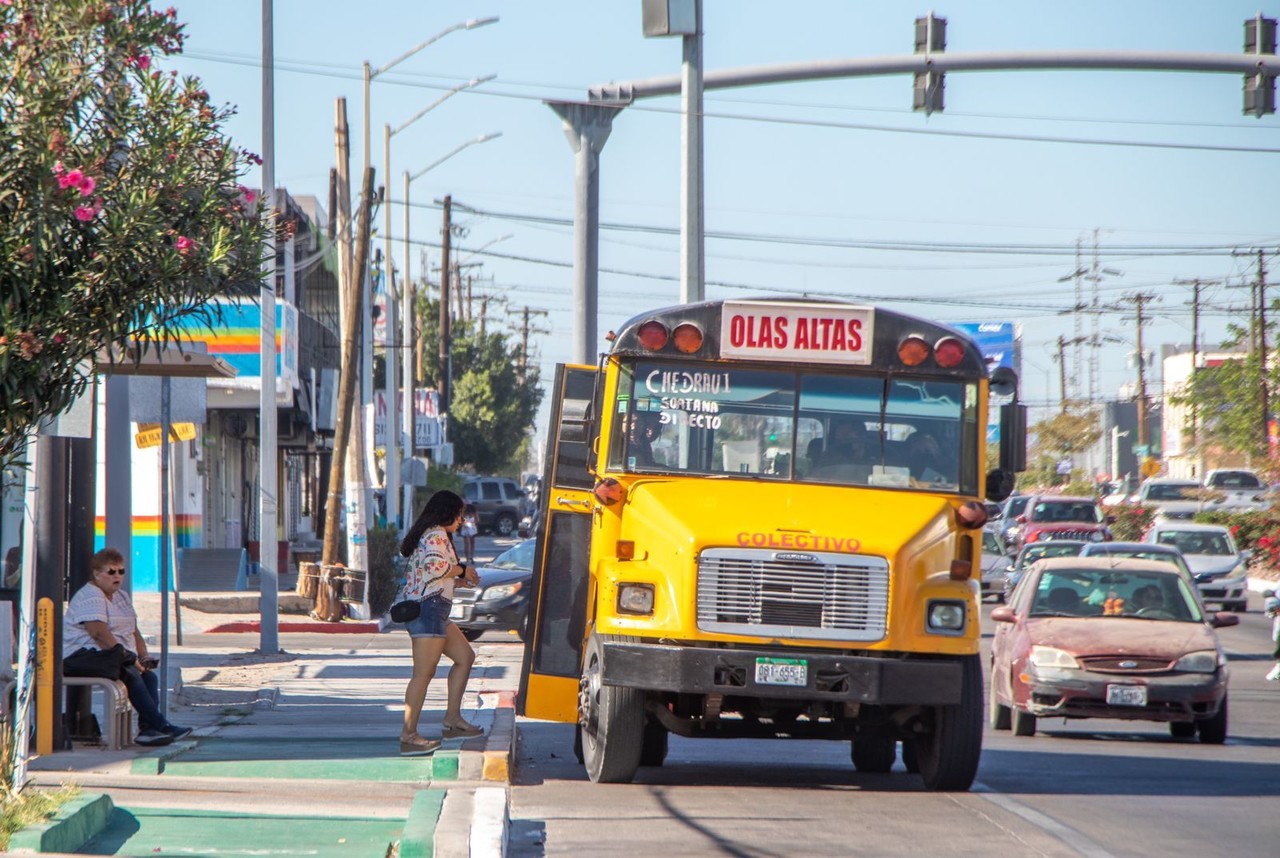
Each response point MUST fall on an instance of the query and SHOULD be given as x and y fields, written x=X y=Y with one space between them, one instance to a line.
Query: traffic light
x=927 y=87
x=1260 y=89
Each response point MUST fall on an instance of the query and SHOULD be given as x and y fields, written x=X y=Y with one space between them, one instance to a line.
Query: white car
x=1239 y=489
x=1170 y=497
x=1219 y=567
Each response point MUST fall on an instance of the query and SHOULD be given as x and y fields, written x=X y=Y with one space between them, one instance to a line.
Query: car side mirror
x=1005 y=614
x=1223 y=619
x=1000 y=483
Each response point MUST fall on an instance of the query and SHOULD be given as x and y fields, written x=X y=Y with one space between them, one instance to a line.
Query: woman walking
x=433 y=570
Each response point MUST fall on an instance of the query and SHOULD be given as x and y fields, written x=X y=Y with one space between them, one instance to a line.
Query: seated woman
x=99 y=616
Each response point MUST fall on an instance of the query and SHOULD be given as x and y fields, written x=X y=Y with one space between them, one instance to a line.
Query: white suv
x=1171 y=497
x=1241 y=489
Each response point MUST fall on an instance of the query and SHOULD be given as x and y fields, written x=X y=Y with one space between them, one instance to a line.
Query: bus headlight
x=635 y=598
x=946 y=617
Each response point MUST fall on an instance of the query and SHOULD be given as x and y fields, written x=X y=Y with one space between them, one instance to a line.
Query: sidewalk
x=295 y=753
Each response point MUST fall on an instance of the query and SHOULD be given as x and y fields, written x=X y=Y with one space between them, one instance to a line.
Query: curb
x=476 y=822
x=341 y=628
x=417 y=839
x=69 y=829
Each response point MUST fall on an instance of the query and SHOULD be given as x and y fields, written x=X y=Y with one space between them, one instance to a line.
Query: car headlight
x=1097 y=536
x=502 y=591
x=1047 y=656
x=635 y=598
x=946 y=617
x=1204 y=661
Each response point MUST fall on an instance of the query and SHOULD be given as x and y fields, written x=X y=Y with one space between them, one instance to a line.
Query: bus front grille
x=790 y=594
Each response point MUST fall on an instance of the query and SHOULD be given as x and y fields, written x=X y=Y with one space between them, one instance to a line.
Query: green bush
x=384 y=576
x=1131 y=522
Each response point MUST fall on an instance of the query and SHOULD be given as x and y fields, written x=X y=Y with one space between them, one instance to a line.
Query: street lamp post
x=366 y=376
x=393 y=449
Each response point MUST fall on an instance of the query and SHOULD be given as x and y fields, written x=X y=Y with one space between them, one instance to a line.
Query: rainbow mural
x=144 y=558
x=235 y=338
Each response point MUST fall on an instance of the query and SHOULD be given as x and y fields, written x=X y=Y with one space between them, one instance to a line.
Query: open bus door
x=561 y=571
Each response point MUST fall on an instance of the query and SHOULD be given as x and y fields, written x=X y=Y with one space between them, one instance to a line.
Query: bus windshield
x=808 y=425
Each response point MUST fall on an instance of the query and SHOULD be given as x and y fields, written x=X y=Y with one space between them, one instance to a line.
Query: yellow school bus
x=762 y=518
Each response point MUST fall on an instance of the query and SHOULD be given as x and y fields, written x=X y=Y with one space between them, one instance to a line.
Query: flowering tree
x=121 y=211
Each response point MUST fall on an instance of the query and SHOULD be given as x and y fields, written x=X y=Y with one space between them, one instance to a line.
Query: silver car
x=995 y=564
x=1219 y=566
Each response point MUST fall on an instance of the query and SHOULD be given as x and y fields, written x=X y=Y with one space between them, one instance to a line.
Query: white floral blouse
x=430 y=565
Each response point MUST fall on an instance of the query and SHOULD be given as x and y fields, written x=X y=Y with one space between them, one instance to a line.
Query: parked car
x=1220 y=568
x=1140 y=551
x=1171 y=498
x=1014 y=506
x=995 y=563
x=1049 y=517
x=1038 y=551
x=1103 y=637
x=1239 y=489
x=501 y=602
x=1119 y=493
x=498 y=500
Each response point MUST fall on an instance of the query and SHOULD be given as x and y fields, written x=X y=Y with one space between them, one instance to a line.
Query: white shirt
x=91 y=604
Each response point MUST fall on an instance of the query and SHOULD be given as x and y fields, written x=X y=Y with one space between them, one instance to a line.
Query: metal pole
x=443 y=380
x=165 y=404
x=692 y=227
x=26 y=615
x=392 y=348
x=268 y=574
x=406 y=342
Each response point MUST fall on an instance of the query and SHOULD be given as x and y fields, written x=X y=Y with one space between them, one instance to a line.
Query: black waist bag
x=403 y=612
x=104 y=663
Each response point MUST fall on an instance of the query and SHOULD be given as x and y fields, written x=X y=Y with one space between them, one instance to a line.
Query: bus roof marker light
x=688 y=337
x=653 y=335
x=913 y=350
x=948 y=352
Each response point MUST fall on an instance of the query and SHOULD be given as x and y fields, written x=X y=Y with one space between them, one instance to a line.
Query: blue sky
x=798 y=160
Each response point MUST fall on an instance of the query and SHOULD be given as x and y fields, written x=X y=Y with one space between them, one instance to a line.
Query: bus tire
x=873 y=754
x=612 y=721
x=949 y=755
x=653 y=750
x=577 y=743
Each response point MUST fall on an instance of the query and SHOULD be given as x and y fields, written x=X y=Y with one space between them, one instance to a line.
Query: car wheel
x=873 y=754
x=1024 y=723
x=1213 y=730
x=504 y=524
x=998 y=715
x=472 y=634
x=1182 y=729
x=522 y=628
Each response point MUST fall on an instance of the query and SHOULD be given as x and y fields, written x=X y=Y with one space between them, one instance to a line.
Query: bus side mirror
x=1000 y=484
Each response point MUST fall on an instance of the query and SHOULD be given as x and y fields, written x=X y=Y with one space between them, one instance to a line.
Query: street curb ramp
x=70 y=828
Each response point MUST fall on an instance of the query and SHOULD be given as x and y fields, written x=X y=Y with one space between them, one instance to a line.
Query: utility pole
x=1062 y=371
x=442 y=374
x=1262 y=354
x=1140 y=300
x=349 y=321
x=525 y=330
x=1197 y=284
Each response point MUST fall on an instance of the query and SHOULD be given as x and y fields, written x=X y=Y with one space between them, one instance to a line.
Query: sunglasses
x=114 y=571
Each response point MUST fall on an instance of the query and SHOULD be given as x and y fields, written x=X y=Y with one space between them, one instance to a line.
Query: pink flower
x=249 y=194
x=6 y=2
x=184 y=244
x=58 y=169
x=143 y=62
x=87 y=185
x=85 y=213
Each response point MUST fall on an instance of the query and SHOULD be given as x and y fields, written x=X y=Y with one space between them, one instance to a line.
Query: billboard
x=1000 y=344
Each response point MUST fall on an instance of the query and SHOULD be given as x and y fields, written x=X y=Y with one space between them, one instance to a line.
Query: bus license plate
x=782 y=671
x=1126 y=695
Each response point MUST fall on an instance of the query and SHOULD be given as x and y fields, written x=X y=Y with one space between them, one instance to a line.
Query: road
x=1096 y=788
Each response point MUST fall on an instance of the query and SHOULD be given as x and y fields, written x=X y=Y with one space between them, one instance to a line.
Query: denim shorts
x=432 y=619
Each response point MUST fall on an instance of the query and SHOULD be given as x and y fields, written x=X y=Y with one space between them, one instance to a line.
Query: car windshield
x=1070 y=511
x=520 y=557
x=1171 y=492
x=1235 y=480
x=991 y=543
x=1041 y=550
x=1173 y=558
x=1105 y=593
x=1197 y=542
x=1016 y=506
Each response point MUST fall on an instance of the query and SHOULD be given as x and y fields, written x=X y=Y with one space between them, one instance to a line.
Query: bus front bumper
x=858 y=679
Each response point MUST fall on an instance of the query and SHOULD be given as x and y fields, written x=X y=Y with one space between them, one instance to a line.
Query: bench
x=118 y=723
x=212 y=569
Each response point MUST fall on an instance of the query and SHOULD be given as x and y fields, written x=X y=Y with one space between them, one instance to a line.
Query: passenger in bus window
x=923 y=455
x=847 y=444
x=646 y=426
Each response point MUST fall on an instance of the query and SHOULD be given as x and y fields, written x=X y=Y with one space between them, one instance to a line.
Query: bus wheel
x=612 y=721
x=653 y=751
x=949 y=755
x=873 y=754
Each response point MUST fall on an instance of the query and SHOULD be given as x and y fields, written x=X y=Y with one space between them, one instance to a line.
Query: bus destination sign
x=812 y=333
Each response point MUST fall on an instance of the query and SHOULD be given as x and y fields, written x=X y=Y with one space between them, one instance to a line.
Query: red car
x=1049 y=517
x=1105 y=637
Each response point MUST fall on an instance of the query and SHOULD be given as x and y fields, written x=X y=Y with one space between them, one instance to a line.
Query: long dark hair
x=441 y=508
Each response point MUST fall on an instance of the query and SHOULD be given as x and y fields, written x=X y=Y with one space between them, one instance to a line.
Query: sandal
x=417 y=746
x=461 y=730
